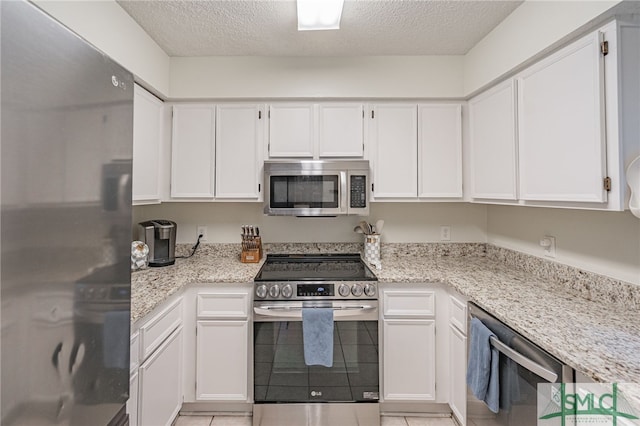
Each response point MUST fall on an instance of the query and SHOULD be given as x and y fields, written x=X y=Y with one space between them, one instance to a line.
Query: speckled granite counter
x=590 y=322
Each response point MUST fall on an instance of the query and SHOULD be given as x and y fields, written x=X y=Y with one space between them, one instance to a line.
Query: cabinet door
x=494 y=155
x=340 y=130
x=147 y=140
x=561 y=125
x=239 y=139
x=160 y=396
x=291 y=130
x=409 y=375
x=458 y=368
x=132 y=403
x=192 y=151
x=221 y=375
x=440 y=151
x=394 y=136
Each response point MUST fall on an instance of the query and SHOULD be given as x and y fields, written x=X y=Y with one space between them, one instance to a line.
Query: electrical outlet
x=201 y=230
x=445 y=233
x=548 y=243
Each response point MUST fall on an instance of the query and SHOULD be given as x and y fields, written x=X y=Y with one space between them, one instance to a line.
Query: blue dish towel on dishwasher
x=483 y=369
x=317 y=333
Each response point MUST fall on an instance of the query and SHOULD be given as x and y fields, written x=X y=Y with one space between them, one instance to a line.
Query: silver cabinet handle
x=522 y=360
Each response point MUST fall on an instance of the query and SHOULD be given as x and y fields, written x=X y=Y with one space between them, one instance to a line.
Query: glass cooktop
x=315 y=267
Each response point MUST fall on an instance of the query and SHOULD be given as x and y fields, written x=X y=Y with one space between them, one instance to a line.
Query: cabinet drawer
x=458 y=314
x=155 y=331
x=134 y=351
x=409 y=303
x=223 y=305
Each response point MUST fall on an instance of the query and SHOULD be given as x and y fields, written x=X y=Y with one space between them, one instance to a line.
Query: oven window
x=280 y=374
x=304 y=191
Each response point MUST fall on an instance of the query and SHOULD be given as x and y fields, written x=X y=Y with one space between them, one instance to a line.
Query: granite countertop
x=600 y=338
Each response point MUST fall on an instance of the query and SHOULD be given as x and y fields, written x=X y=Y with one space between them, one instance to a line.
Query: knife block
x=252 y=255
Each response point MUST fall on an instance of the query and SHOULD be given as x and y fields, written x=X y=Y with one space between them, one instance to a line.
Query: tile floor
x=246 y=421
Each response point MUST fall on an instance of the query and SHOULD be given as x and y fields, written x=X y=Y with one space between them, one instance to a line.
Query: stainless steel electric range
x=286 y=390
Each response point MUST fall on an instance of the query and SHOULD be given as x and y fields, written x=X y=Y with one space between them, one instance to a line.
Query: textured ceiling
x=269 y=27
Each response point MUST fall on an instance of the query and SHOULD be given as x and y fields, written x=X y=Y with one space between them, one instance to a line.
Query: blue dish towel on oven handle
x=317 y=333
x=483 y=368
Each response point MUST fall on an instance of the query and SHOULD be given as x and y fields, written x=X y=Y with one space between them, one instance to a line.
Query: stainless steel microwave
x=316 y=187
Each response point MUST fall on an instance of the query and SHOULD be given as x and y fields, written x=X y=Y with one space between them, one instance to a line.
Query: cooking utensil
x=379 y=226
x=358 y=229
x=366 y=228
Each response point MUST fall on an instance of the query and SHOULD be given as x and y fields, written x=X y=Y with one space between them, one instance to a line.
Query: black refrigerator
x=66 y=140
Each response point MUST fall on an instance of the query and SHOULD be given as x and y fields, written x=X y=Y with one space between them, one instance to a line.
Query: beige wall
x=404 y=222
x=527 y=31
x=327 y=77
x=607 y=243
x=109 y=28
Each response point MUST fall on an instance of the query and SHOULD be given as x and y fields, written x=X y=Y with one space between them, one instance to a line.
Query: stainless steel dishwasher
x=522 y=366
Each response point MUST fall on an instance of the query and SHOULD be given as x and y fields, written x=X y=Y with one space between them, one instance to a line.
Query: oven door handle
x=522 y=360
x=296 y=311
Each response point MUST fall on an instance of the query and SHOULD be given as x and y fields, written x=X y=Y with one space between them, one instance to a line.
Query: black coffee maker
x=160 y=237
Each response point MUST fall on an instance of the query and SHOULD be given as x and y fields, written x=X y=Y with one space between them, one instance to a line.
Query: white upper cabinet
x=291 y=130
x=192 y=151
x=340 y=130
x=573 y=130
x=307 y=130
x=393 y=133
x=440 y=151
x=494 y=154
x=147 y=140
x=239 y=141
x=561 y=127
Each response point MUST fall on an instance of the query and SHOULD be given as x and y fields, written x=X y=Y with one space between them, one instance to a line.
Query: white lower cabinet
x=221 y=360
x=458 y=351
x=155 y=384
x=409 y=359
x=458 y=358
x=161 y=383
x=408 y=343
x=219 y=351
x=132 y=404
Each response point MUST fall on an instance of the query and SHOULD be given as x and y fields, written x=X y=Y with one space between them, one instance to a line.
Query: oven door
x=280 y=372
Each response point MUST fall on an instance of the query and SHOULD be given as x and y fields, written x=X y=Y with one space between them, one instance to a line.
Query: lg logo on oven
x=316 y=393
x=582 y=404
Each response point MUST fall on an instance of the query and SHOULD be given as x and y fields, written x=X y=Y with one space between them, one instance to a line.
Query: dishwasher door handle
x=523 y=361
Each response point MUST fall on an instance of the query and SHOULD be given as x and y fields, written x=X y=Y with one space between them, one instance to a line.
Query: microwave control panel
x=358 y=187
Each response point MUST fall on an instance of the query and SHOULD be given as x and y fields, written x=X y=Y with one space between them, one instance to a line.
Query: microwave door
x=307 y=194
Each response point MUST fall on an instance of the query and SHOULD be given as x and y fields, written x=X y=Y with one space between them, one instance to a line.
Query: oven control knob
x=356 y=290
x=261 y=291
x=344 y=290
x=370 y=290
x=274 y=291
x=287 y=291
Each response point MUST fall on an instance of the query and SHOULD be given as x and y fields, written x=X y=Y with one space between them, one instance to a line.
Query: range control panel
x=307 y=291
x=324 y=290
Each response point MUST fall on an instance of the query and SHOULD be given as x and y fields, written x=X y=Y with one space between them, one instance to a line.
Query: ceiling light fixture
x=319 y=14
